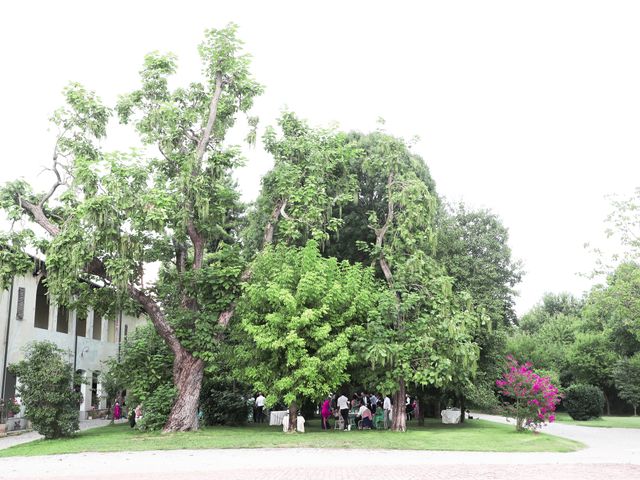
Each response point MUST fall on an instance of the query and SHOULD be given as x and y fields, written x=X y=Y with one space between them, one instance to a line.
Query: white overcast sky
x=530 y=109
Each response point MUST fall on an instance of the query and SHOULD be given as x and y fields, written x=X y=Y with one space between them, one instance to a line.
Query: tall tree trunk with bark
x=462 y=408
x=293 y=417
x=187 y=378
x=399 y=421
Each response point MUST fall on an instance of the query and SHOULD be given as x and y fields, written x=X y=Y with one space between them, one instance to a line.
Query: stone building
x=26 y=315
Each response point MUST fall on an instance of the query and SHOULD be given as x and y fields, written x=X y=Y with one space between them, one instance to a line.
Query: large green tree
x=297 y=322
x=422 y=334
x=109 y=213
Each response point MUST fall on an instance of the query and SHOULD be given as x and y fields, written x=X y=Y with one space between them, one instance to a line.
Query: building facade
x=26 y=315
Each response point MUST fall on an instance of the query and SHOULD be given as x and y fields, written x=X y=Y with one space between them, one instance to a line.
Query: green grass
x=477 y=435
x=604 y=422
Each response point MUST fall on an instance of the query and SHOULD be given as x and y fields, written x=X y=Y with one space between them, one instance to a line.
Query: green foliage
x=473 y=247
x=310 y=180
x=47 y=390
x=223 y=401
x=145 y=371
x=583 y=401
x=591 y=359
x=298 y=318
x=370 y=151
x=551 y=306
x=434 y=346
x=156 y=407
x=13 y=260
x=626 y=375
x=214 y=287
x=614 y=308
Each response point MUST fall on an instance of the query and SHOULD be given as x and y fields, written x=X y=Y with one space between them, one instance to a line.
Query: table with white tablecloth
x=450 y=415
x=276 y=416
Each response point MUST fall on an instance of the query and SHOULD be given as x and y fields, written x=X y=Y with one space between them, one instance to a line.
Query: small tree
x=47 y=390
x=535 y=397
x=627 y=378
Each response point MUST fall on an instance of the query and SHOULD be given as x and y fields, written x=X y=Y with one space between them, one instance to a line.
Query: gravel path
x=611 y=454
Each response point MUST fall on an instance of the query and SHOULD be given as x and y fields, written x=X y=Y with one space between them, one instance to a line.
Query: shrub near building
x=47 y=390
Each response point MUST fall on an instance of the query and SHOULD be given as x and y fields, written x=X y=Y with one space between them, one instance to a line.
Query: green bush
x=222 y=404
x=156 y=408
x=46 y=390
x=145 y=371
x=583 y=401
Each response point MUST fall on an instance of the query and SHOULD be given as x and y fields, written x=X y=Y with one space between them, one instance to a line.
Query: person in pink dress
x=326 y=413
x=117 y=411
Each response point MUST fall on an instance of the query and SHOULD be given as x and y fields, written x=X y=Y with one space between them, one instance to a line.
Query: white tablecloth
x=276 y=417
x=450 y=416
x=299 y=423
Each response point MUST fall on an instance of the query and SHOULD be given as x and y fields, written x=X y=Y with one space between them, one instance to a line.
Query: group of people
x=364 y=406
x=134 y=415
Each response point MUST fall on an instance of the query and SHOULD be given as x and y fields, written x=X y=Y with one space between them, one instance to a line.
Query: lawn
x=604 y=422
x=476 y=435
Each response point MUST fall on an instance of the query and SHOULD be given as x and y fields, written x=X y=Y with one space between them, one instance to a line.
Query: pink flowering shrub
x=534 y=397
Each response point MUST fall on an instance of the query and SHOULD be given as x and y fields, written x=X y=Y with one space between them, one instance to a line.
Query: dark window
x=20 y=309
x=81 y=326
x=42 y=307
x=62 y=324
x=95 y=400
x=97 y=325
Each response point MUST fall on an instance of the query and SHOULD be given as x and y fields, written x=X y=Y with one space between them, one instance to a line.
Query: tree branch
x=38 y=215
x=278 y=210
x=382 y=231
x=151 y=307
x=59 y=181
x=213 y=112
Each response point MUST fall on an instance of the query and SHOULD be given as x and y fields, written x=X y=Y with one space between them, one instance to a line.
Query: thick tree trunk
x=293 y=417
x=399 y=422
x=606 y=402
x=187 y=377
x=461 y=408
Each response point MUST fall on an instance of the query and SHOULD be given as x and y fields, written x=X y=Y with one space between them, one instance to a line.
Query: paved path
x=604 y=445
x=11 y=440
x=612 y=454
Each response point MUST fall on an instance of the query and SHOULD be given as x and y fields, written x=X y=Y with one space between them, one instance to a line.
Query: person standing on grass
x=117 y=412
x=343 y=406
x=259 y=408
x=386 y=405
x=326 y=413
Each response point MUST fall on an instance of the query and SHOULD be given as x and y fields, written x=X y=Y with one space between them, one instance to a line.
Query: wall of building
x=87 y=353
